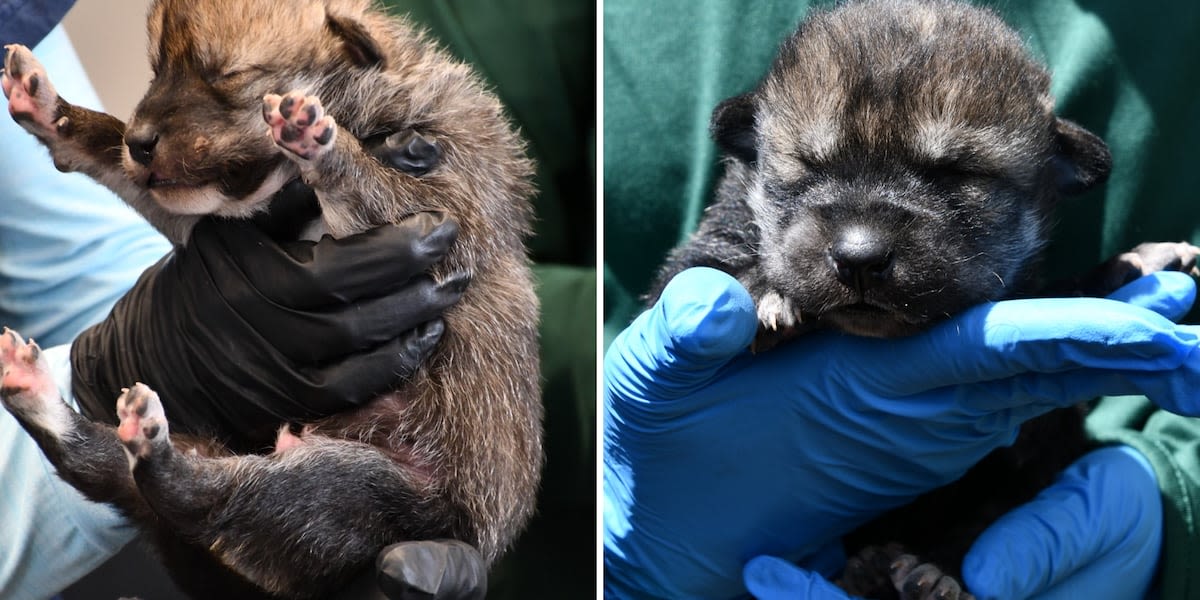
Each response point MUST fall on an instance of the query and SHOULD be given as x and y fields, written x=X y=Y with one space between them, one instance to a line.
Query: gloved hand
x=239 y=333
x=1094 y=533
x=423 y=570
x=713 y=457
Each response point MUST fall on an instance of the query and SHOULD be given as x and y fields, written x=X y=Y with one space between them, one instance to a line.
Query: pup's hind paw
x=890 y=572
x=868 y=573
x=32 y=100
x=299 y=124
x=915 y=580
x=27 y=387
x=143 y=423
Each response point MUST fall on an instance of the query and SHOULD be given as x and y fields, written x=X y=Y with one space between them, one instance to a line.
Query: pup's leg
x=357 y=182
x=79 y=139
x=85 y=454
x=889 y=572
x=298 y=523
x=1125 y=267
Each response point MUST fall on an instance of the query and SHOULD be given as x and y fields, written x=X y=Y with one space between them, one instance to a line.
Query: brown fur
x=466 y=429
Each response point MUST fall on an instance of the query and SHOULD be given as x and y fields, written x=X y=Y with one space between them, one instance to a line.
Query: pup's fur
x=456 y=452
x=897 y=164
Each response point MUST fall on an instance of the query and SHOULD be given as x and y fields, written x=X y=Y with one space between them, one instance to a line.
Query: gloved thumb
x=702 y=320
x=1168 y=293
x=1095 y=533
x=770 y=578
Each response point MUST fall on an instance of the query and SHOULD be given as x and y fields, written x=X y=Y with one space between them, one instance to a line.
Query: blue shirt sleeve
x=28 y=21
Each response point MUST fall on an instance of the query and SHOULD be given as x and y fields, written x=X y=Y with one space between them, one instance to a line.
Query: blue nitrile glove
x=770 y=578
x=713 y=456
x=1095 y=533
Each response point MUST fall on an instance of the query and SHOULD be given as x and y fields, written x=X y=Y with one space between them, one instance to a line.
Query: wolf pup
x=898 y=164
x=456 y=451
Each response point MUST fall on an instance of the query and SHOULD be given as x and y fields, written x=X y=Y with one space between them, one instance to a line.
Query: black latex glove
x=423 y=570
x=239 y=333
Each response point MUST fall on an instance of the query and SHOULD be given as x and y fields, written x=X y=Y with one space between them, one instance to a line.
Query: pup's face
x=197 y=140
x=901 y=161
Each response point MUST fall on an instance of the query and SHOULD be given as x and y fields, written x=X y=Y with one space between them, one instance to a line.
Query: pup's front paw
x=143 y=425
x=1145 y=259
x=32 y=100
x=299 y=124
x=778 y=321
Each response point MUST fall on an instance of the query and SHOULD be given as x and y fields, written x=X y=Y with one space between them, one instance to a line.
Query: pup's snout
x=861 y=258
x=141 y=143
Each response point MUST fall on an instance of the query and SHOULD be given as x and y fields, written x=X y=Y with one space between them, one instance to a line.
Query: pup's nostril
x=861 y=259
x=141 y=146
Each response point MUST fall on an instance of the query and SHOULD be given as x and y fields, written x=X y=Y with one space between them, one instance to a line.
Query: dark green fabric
x=1126 y=72
x=539 y=55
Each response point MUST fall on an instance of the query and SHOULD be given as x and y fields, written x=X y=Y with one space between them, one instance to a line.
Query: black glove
x=423 y=570
x=239 y=333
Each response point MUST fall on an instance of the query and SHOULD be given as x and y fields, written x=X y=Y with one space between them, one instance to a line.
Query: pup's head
x=901 y=160
x=197 y=139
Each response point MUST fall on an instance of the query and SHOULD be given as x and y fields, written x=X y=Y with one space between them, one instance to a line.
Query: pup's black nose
x=861 y=258
x=141 y=145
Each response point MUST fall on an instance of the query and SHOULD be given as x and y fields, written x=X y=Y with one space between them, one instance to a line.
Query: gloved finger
x=1005 y=404
x=1096 y=532
x=344 y=329
x=359 y=378
x=770 y=578
x=290 y=212
x=1004 y=339
x=432 y=570
x=703 y=318
x=313 y=274
x=1168 y=293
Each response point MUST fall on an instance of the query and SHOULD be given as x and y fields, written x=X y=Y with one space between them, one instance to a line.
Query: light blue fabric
x=68 y=247
x=50 y=535
x=68 y=250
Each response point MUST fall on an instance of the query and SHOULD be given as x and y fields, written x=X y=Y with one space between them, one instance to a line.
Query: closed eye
x=949 y=172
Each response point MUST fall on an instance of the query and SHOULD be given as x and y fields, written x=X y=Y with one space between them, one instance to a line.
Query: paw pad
x=26 y=385
x=299 y=124
x=32 y=99
x=143 y=421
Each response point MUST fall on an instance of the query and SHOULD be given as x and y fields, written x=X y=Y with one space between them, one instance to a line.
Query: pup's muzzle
x=861 y=258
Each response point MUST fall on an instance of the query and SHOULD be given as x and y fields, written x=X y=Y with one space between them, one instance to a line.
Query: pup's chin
x=871 y=321
x=182 y=199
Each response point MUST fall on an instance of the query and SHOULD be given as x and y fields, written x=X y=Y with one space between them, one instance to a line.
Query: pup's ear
x=1081 y=159
x=732 y=127
x=358 y=44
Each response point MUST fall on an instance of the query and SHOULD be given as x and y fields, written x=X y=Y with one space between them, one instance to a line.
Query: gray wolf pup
x=248 y=96
x=898 y=164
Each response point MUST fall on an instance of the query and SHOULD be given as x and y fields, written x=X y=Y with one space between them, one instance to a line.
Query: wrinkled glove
x=239 y=333
x=1095 y=532
x=423 y=570
x=713 y=457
